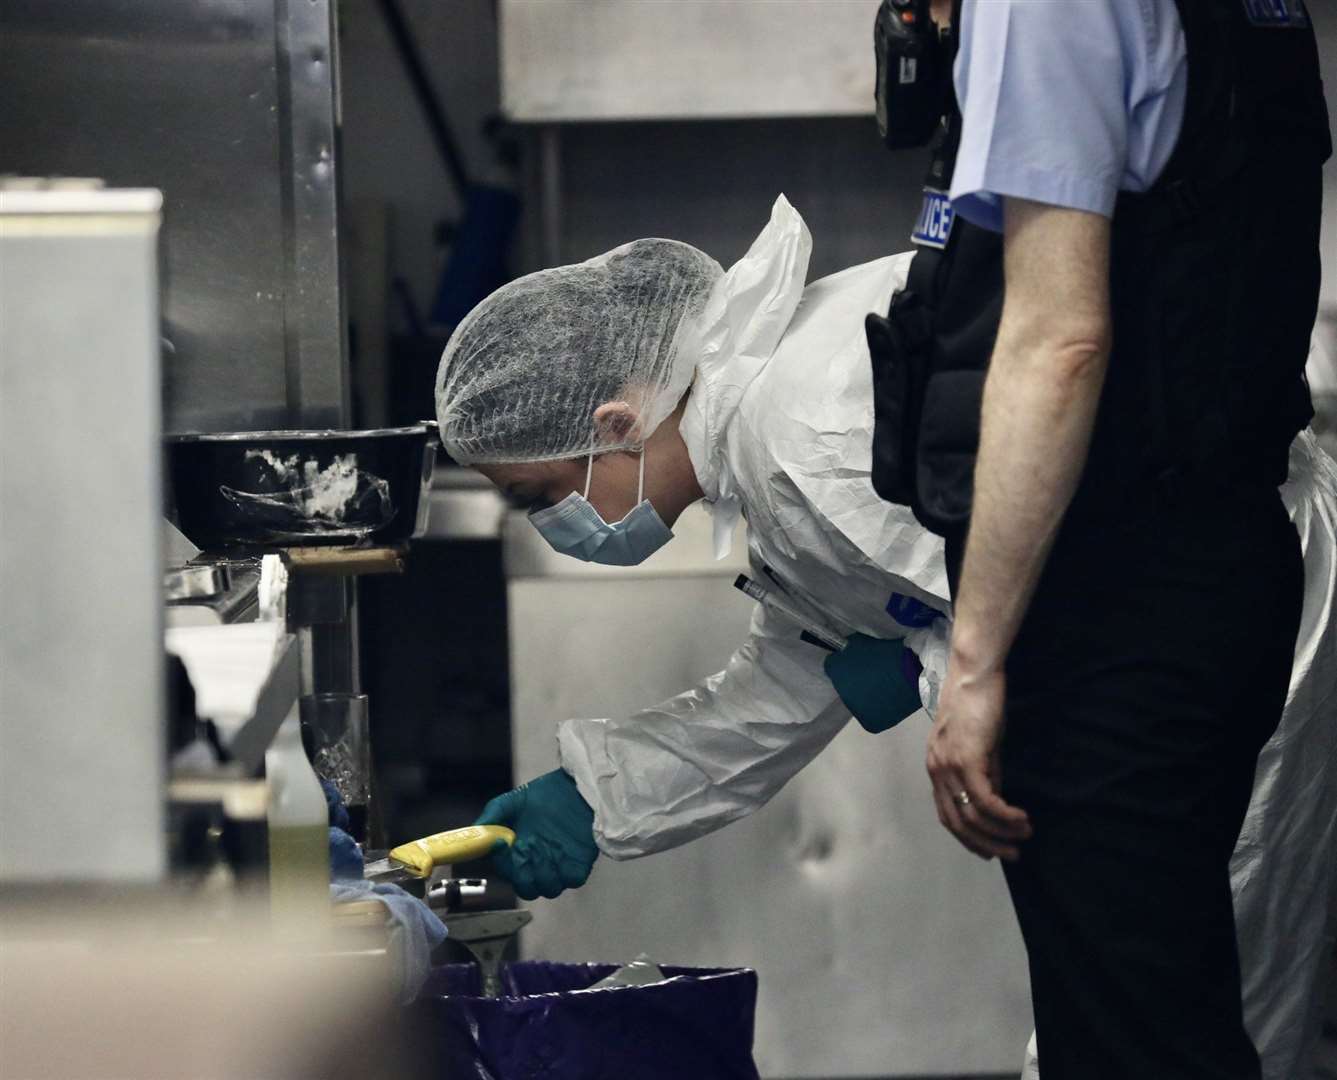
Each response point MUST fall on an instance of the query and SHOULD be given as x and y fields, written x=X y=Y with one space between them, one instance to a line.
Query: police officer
x=1088 y=388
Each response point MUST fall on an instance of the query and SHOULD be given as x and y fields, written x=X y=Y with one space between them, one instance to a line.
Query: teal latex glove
x=554 y=847
x=874 y=679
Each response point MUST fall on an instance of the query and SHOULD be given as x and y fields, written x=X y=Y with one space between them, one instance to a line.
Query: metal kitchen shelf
x=244 y=731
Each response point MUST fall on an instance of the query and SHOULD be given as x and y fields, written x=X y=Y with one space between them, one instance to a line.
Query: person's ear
x=616 y=422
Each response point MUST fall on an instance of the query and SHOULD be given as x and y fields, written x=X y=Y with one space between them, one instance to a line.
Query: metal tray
x=299 y=488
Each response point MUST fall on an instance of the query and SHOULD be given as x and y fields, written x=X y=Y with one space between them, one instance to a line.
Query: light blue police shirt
x=1065 y=102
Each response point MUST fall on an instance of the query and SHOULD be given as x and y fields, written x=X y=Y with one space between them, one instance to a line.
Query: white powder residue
x=329 y=491
x=283 y=468
x=323 y=495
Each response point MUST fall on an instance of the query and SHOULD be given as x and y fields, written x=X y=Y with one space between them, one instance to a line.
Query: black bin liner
x=549 y=1024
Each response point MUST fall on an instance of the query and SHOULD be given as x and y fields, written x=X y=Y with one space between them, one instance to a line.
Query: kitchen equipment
x=190 y=583
x=82 y=687
x=455 y=894
x=486 y=934
x=243 y=97
x=212 y=592
x=418 y=858
x=346 y=561
x=177 y=550
x=281 y=488
x=334 y=732
x=588 y=61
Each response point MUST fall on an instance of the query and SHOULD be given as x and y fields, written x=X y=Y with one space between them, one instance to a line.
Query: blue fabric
x=414 y=931
x=910 y=612
x=554 y=847
x=477 y=261
x=1065 y=103
x=334 y=803
x=911 y=669
x=872 y=680
x=346 y=859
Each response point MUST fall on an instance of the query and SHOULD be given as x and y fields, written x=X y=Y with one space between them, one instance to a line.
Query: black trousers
x=1152 y=666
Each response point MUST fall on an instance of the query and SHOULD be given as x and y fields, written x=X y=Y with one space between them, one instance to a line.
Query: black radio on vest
x=913 y=71
x=1214 y=284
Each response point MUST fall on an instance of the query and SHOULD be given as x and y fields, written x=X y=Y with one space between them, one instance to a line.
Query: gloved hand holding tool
x=554 y=846
x=877 y=679
x=418 y=858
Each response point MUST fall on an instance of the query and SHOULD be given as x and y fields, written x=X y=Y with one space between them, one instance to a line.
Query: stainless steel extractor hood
x=229 y=107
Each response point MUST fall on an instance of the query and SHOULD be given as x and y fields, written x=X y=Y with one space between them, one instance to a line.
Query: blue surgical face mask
x=574 y=527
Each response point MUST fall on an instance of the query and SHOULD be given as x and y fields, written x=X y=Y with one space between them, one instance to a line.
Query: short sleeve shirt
x=1065 y=102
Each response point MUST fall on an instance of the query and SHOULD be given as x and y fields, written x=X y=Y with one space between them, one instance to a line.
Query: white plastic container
x=299 y=850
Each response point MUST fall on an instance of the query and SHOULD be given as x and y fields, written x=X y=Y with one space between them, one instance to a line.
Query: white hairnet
x=523 y=373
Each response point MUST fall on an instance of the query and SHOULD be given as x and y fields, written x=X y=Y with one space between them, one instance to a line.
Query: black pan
x=297 y=488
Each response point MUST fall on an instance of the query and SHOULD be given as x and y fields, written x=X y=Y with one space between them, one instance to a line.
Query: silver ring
x=961 y=798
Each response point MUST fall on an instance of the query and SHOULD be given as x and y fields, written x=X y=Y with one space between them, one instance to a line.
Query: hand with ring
x=963 y=764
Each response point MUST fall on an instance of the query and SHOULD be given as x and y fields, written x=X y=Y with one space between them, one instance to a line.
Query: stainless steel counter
x=463 y=506
x=247 y=680
x=584 y=60
x=81 y=677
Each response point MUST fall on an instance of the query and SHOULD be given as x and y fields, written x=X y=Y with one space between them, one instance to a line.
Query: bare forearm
x=1039 y=408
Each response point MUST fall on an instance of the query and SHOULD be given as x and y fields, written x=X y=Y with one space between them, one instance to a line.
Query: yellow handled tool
x=418 y=858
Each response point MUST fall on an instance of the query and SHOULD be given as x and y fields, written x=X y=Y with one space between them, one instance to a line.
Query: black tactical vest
x=1214 y=287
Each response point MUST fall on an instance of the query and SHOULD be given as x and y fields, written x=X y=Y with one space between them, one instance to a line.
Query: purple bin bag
x=696 y=1024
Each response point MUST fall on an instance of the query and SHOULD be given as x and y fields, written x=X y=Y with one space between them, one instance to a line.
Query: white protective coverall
x=779 y=427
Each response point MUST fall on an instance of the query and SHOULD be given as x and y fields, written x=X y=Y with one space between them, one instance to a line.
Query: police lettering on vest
x=1213 y=292
x=934 y=226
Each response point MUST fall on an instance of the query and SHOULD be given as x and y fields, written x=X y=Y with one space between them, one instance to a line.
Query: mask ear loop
x=640 y=479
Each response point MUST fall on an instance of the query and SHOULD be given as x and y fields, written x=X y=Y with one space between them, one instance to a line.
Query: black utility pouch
x=898 y=347
x=949 y=442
